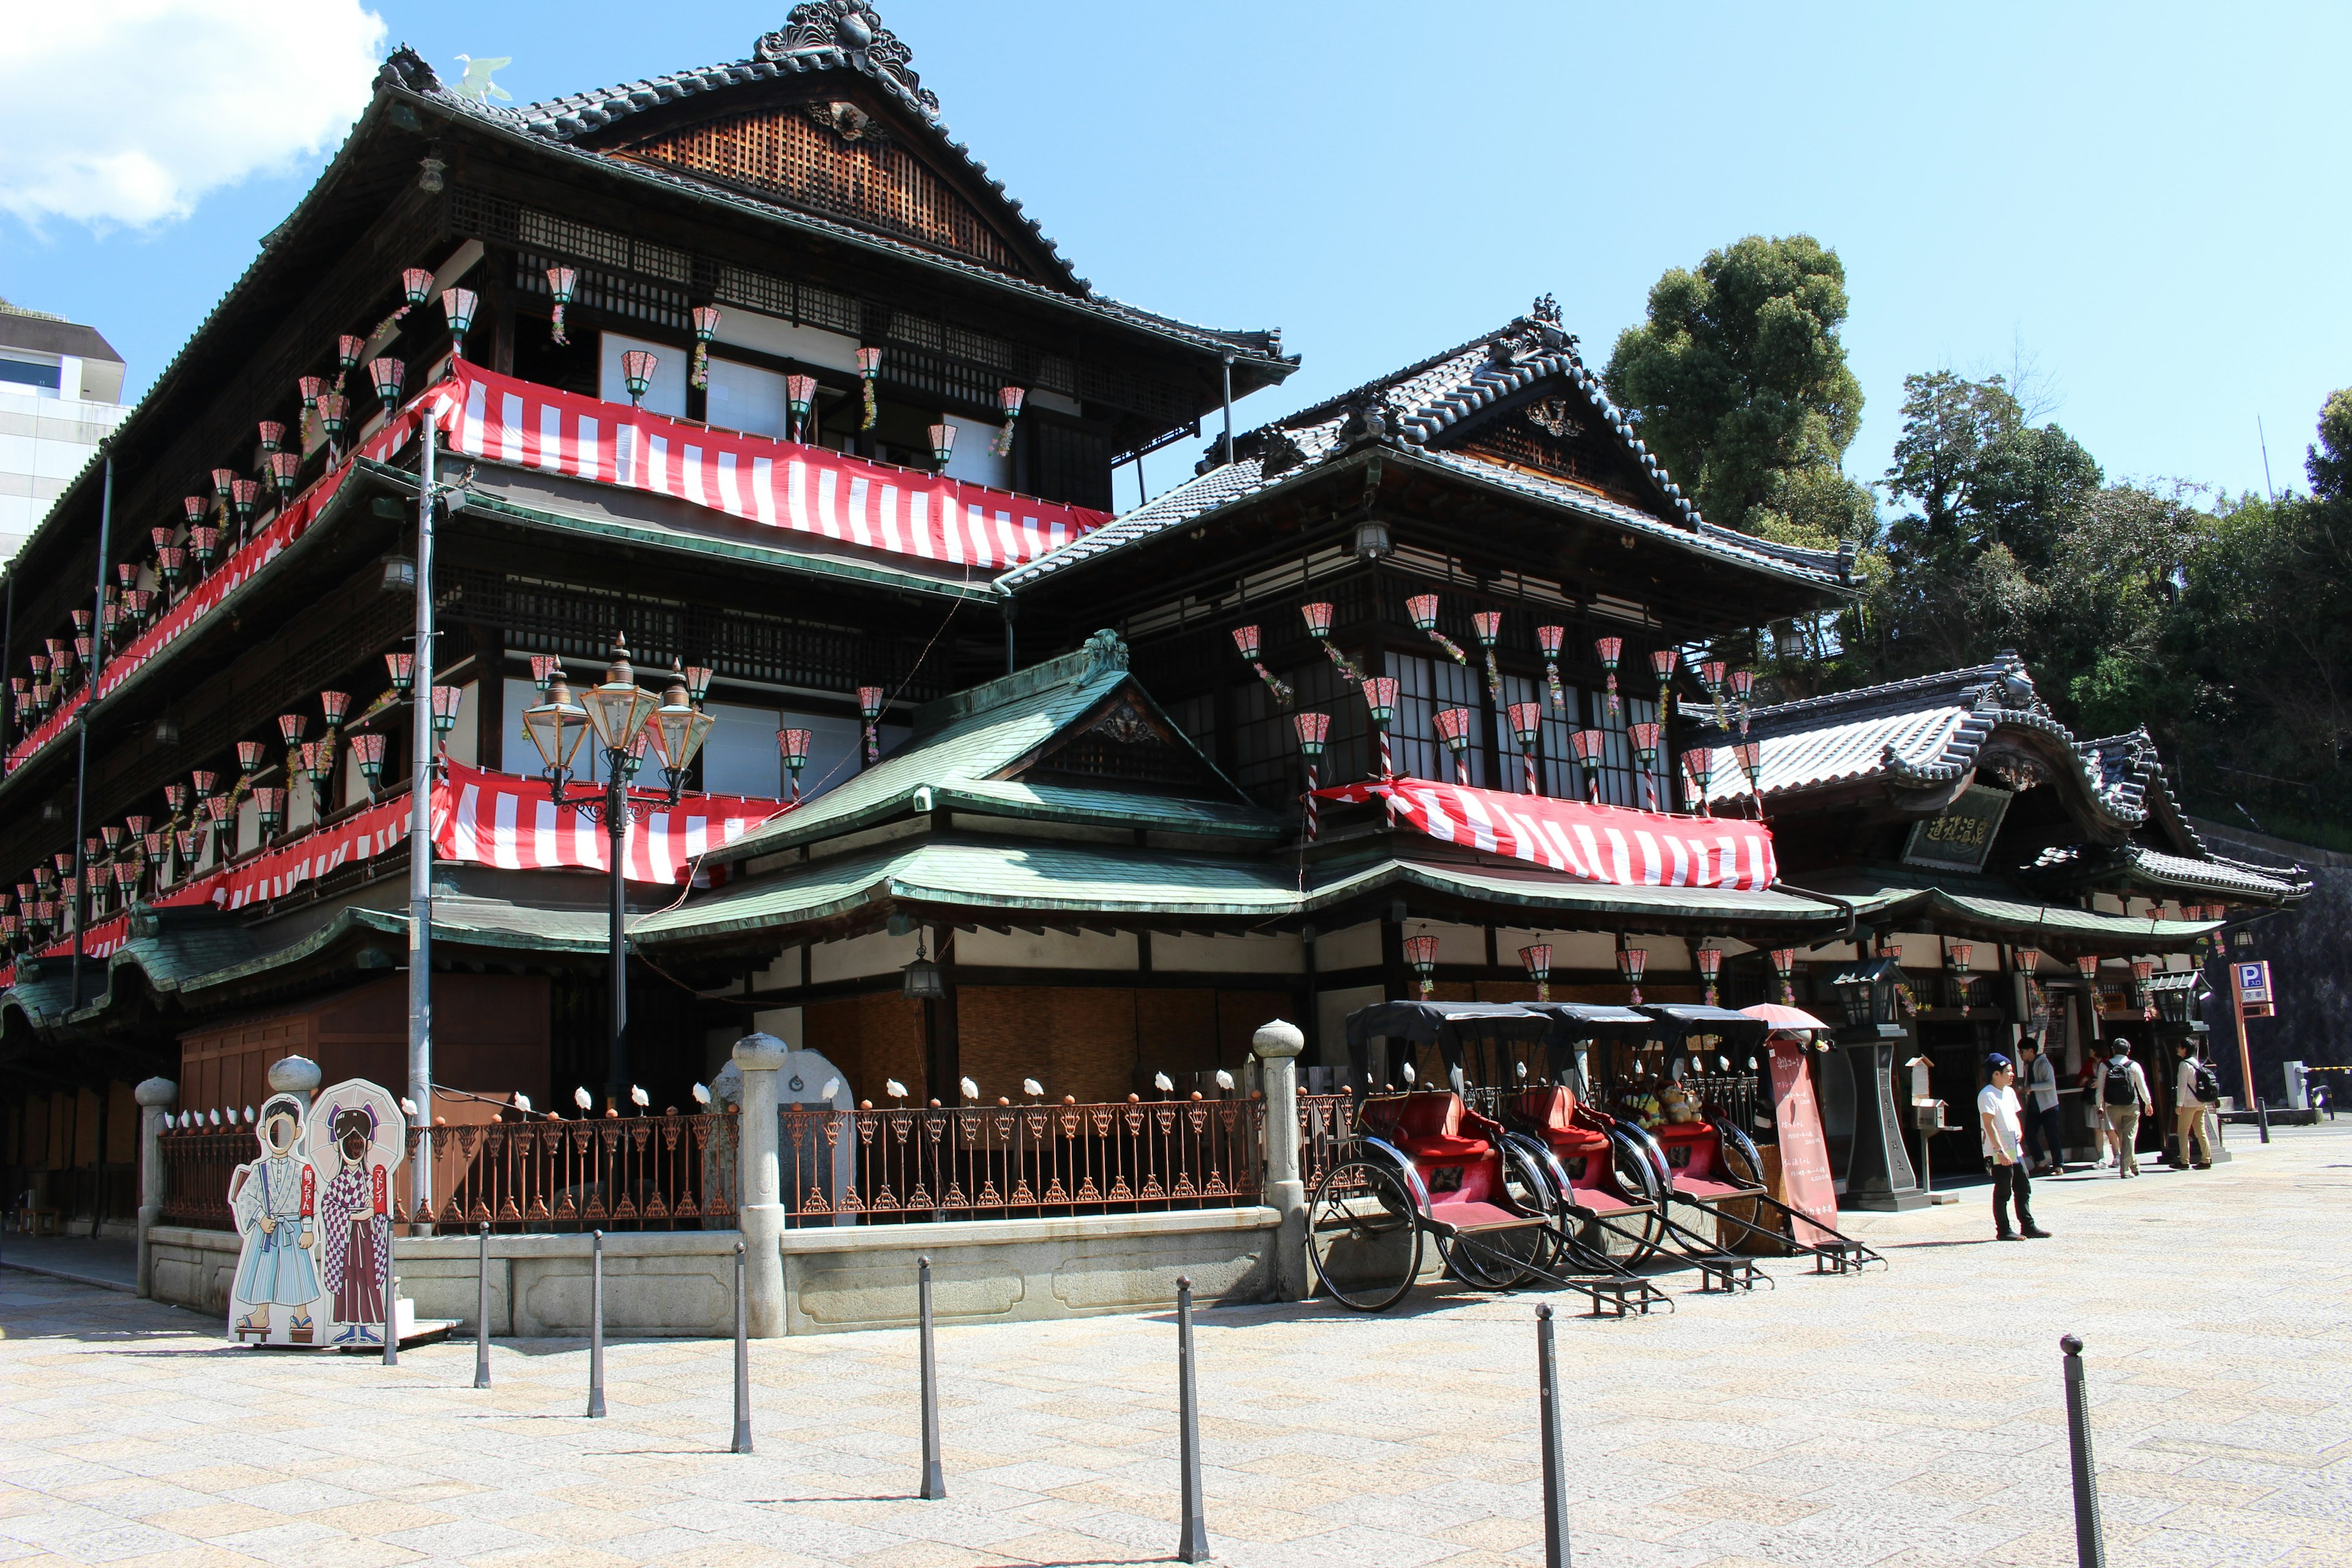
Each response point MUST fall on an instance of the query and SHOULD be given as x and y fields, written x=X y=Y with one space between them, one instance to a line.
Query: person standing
x=2004 y=1147
x=2042 y=1135
x=2123 y=1095
x=2188 y=1109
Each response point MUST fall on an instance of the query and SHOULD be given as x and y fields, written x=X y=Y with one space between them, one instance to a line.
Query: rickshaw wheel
x=1505 y=1259
x=1363 y=1235
x=1638 y=1180
x=1741 y=1159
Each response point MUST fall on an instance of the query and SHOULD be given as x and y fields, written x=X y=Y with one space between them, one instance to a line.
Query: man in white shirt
x=2044 y=1136
x=2123 y=1091
x=2188 y=1112
x=2004 y=1147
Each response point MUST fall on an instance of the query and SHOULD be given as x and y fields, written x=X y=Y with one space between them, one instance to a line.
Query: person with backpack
x=2123 y=1095
x=2045 y=1138
x=2197 y=1087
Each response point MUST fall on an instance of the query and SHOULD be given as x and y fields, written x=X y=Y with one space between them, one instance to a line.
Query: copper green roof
x=2013 y=918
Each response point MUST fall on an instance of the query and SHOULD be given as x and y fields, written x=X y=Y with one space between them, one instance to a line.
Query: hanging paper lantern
x=1784 y=964
x=943 y=438
x=176 y=796
x=207 y=783
x=457 y=306
x=203 y=544
x=869 y=709
x=285 y=473
x=800 y=396
x=334 y=704
x=222 y=479
x=416 y=288
x=637 y=375
x=1423 y=609
x=367 y=752
x=1381 y=699
x=1454 y=728
x=385 y=374
x=446 y=702
x=1698 y=764
x=270 y=803
x=1662 y=664
x=1536 y=959
x=1610 y=650
x=1246 y=639
x=1710 y=966
x=1632 y=963
x=706 y=327
x=348 y=350
x=560 y=282
x=544 y=668
x=333 y=412
x=792 y=745
x=869 y=366
x=312 y=387
x=250 y=755
x=402 y=667
x=1009 y=398
x=698 y=683
x=244 y=497
x=273 y=436
x=1421 y=953
x=1314 y=730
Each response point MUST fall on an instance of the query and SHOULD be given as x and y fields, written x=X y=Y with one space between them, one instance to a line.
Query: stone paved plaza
x=1913 y=1417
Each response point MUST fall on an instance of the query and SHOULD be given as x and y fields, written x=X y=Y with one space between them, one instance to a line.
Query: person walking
x=2123 y=1095
x=2042 y=1135
x=2188 y=1102
x=2004 y=1147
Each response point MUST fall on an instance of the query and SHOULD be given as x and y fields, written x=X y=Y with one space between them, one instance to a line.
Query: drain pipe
x=1853 y=921
x=1229 y=408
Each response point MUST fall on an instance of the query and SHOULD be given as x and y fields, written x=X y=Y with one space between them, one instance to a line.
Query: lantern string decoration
x=1423 y=608
x=1488 y=624
x=560 y=282
x=1314 y=730
x=1245 y=641
x=1550 y=640
x=1454 y=728
x=1610 y=651
x=792 y=745
x=706 y=327
x=869 y=366
x=869 y=709
x=1527 y=728
x=1010 y=399
x=1537 y=960
x=1420 y=953
x=1317 y=617
x=1662 y=664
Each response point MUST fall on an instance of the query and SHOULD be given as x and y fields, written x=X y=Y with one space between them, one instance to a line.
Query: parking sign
x=2254 y=989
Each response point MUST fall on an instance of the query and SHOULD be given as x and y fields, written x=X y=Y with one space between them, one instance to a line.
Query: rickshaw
x=1429 y=1165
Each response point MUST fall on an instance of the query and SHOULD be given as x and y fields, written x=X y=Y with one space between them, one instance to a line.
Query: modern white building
x=60 y=393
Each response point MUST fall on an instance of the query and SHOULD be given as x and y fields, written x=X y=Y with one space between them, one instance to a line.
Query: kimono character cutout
x=355 y=1140
x=273 y=1199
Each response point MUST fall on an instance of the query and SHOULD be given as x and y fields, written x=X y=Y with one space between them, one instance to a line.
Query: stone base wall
x=682 y=1283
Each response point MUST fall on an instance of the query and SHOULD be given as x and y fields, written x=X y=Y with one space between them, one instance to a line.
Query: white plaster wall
x=1358 y=947
x=784 y=1023
x=1268 y=954
x=811 y=345
x=783 y=971
x=1047 y=949
x=1570 y=949
x=1455 y=944
x=1332 y=1010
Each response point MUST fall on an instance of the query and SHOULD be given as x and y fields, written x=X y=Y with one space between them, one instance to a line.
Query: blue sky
x=2146 y=202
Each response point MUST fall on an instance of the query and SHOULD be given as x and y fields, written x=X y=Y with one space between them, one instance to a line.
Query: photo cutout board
x=355 y=1138
x=274 y=1297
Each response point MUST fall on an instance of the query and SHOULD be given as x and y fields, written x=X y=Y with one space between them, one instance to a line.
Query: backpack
x=2207 y=1084
x=2119 y=1090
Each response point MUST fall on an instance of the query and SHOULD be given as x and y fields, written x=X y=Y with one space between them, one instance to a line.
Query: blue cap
x=1996 y=1062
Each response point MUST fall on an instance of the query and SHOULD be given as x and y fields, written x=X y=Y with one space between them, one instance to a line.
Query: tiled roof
x=557 y=122
x=1422 y=402
x=961 y=742
x=1925 y=731
x=2079 y=865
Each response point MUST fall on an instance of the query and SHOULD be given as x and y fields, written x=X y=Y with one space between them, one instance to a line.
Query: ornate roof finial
x=855 y=29
x=1546 y=309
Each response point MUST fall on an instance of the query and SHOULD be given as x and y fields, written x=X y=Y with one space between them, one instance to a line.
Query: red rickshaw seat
x=1429 y=1127
x=1554 y=1111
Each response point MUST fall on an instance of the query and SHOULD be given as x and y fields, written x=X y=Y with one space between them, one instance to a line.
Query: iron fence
x=616 y=1173
x=1011 y=1160
x=197 y=1165
x=1326 y=1133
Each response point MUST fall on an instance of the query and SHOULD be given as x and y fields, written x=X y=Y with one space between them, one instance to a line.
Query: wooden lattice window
x=869 y=182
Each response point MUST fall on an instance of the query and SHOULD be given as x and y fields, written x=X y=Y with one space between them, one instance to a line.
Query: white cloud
x=128 y=111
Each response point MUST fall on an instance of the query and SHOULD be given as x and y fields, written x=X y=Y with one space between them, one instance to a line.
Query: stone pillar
x=762 y=1212
x=1277 y=1044
x=155 y=1098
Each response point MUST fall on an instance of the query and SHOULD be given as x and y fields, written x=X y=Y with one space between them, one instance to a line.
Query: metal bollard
x=391 y=1303
x=1192 y=1540
x=2090 y=1540
x=482 y=1313
x=596 y=1327
x=2262 y=1116
x=1555 y=1452
x=935 y=1481
x=742 y=1444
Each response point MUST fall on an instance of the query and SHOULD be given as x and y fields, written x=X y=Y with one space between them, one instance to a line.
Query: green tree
x=1737 y=379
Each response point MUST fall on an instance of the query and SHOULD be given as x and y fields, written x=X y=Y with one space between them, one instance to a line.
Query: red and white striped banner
x=280 y=871
x=1597 y=843
x=782 y=484
x=291 y=523
x=501 y=819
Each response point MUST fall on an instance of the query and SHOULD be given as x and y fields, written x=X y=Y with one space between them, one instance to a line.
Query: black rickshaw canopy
x=1675 y=1022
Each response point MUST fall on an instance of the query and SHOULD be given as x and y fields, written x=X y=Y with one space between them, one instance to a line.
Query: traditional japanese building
x=754 y=369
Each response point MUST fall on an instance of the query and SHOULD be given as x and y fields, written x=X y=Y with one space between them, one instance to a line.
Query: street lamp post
x=628 y=721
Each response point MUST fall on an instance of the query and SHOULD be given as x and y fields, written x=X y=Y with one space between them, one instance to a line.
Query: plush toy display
x=1678 y=1104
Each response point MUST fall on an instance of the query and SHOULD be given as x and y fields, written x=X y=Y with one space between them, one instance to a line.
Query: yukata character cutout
x=273 y=1199
x=354 y=1139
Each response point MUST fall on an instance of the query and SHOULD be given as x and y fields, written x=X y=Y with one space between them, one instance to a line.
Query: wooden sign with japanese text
x=1806 y=1184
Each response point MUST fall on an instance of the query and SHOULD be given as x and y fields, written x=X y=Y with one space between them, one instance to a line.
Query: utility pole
x=420 y=842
